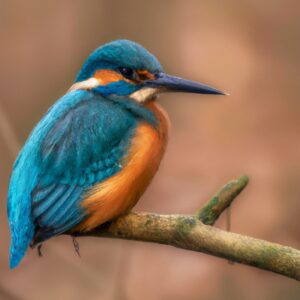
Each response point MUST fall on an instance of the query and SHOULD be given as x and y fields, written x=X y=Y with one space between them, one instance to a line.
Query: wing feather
x=79 y=142
x=77 y=153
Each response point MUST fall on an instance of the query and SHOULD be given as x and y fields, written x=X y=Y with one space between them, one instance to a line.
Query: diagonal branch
x=188 y=232
x=211 y=210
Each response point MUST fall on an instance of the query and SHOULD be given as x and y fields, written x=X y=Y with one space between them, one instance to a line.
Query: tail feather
x=19 y=245
x=19 y=207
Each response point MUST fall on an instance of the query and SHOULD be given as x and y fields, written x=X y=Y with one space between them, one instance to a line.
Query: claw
x=76 y=246
x=39 y=250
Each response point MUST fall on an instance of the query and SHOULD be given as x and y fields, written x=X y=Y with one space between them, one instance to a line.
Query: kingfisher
x=96 y=150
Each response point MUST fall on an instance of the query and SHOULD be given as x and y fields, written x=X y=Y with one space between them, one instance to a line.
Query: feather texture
x=79 y=142
x=119 y=193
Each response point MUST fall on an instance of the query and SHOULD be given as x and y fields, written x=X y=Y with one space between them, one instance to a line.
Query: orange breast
x=120 y=192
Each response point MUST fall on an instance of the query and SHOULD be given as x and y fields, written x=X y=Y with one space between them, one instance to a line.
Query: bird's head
x=123 y=68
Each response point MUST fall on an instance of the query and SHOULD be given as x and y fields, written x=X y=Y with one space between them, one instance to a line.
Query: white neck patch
x=144 y=94
x=85 y=85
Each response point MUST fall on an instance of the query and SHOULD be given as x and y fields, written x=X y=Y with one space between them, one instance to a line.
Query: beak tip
x=219 y=93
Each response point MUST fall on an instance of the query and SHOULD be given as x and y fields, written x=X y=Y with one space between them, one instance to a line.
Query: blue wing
x=79 y=142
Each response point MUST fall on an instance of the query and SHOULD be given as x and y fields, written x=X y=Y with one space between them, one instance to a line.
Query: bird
x=95 y=151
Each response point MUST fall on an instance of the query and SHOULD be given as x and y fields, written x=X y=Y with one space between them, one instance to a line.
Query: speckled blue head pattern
x=118 y=54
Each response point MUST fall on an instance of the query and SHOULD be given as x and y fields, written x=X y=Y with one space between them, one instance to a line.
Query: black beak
x=176 y=84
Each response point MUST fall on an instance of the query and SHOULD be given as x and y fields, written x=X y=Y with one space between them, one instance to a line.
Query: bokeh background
x=248 y=48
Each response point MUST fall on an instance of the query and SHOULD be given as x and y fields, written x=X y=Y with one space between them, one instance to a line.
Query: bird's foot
x=76 y=245
x=39 y=250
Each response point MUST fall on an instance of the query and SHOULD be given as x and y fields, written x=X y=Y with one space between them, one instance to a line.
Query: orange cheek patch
x=107 y=76
x=145 y=75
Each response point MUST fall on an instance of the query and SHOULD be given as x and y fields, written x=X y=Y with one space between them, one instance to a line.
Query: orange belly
x=120 y=193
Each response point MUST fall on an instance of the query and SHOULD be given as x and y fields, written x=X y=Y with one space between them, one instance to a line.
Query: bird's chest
x=119 y=193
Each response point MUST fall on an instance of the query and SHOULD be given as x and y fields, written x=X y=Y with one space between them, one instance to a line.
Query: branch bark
x=194 y=232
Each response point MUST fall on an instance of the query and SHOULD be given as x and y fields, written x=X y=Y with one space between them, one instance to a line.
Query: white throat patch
x=144 y=94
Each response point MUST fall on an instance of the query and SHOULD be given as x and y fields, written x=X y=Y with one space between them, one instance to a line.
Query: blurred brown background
x=250 y=49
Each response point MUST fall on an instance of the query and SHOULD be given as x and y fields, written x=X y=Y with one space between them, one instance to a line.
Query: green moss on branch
x=211 y=210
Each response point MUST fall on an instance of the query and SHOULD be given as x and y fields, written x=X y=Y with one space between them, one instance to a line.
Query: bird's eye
x=127 y=72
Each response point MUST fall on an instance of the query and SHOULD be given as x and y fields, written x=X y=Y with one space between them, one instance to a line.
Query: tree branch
x=190 y=232
x=211 y=210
